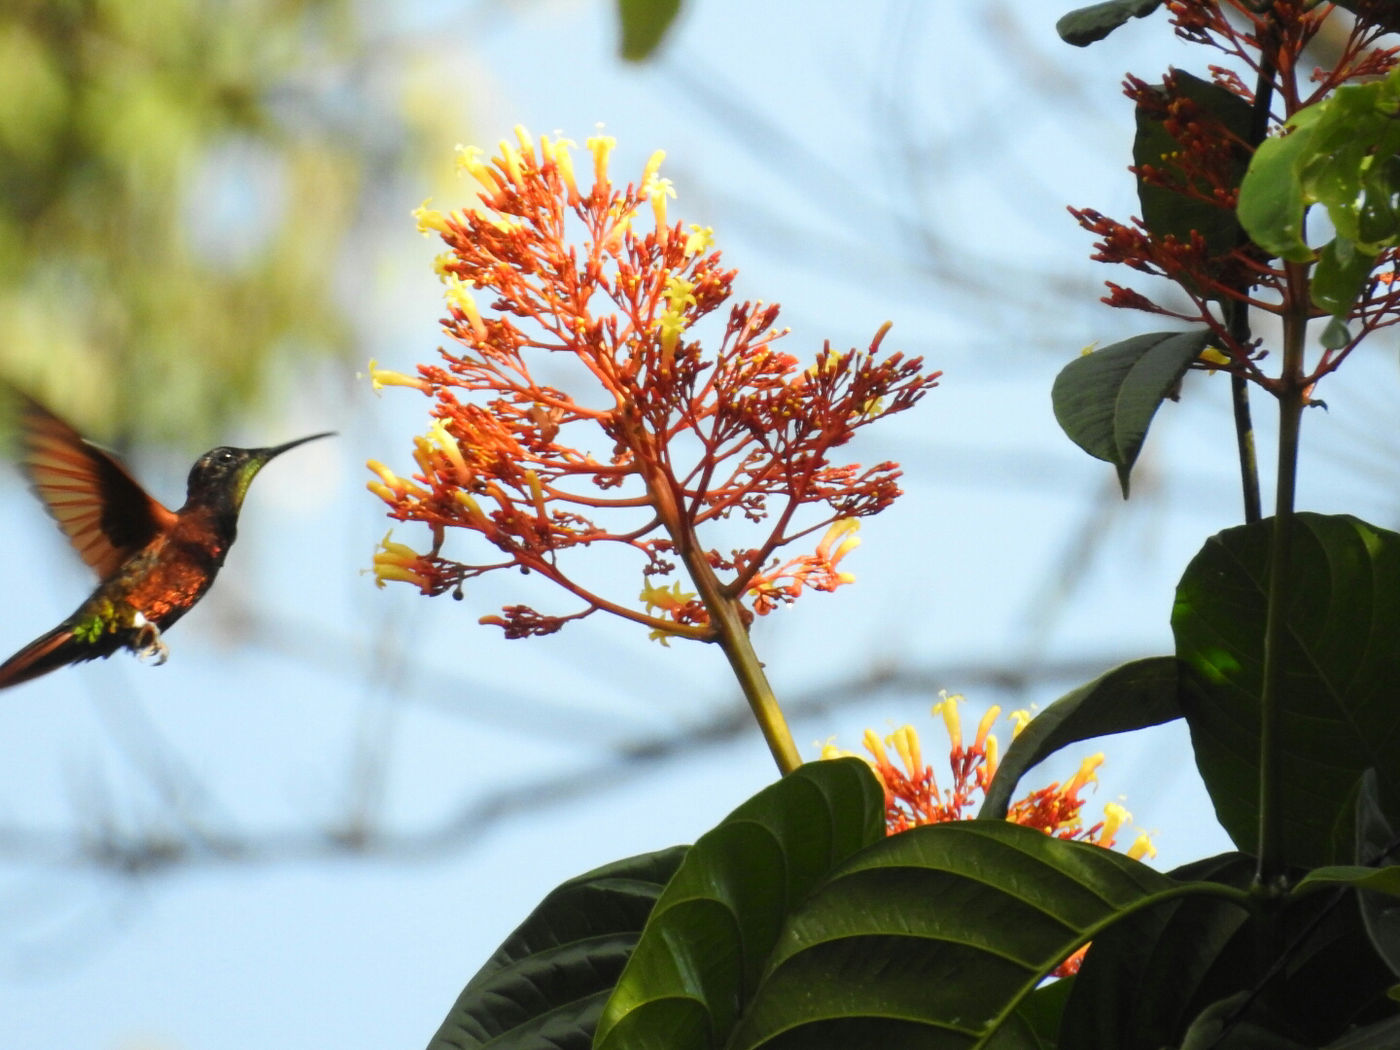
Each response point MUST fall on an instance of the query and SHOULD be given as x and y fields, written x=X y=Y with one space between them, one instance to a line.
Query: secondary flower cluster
x=913 y=796
x=1194 y=242
x=580 y=408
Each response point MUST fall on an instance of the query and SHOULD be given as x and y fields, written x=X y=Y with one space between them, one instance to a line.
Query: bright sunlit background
x=313 y=825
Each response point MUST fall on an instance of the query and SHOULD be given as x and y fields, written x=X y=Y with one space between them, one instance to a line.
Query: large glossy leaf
x=1105 y=400
x=934 y=937
x=1086 y=25
x=1339 y=702
x=546 y=985
x=702 y=954
x=1136 y=695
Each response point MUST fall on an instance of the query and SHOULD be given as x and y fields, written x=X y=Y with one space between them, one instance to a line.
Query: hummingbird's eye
x=224 y=456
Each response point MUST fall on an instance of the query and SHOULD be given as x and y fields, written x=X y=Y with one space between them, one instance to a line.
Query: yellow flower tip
x=872 y=742
x=669 y=600
x=653 y=166
x=990 y=748
x=474 y=512
x=1142 y=847
x=670 y=326
x=509 y=161
x=906 y=744
x=1085 y=775
x=984 y=727
x=948 y=708
x=700 y=239
x=1087 y=350
x=846 y=577
x=459 y=297
x=383 y=491
x=1115 y=816
x=379 y=378
x=601 y=146
x=471 y=159
x=522 y=136
x=1019 y=720
x=429 y=220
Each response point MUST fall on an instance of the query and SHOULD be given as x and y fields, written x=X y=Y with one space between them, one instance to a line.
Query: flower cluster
x=1194 y=241
x=580 y=408
x=913 y=796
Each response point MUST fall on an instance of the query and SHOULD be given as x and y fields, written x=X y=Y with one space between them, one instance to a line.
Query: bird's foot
x=148 y=642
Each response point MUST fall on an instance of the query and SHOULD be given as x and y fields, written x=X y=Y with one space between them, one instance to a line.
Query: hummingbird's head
x=222 y=475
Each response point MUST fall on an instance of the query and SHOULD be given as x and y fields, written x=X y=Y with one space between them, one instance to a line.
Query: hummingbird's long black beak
x=265 y=454
x=262 y=455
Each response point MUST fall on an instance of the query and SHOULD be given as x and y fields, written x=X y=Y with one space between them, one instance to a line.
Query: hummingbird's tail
x=44 y=654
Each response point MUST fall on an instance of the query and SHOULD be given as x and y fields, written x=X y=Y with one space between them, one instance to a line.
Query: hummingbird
x=153 y=564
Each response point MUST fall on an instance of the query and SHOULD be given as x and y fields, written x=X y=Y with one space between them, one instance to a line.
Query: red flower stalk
x=581 y=408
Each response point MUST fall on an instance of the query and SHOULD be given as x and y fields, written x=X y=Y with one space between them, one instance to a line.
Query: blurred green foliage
x=177 y=179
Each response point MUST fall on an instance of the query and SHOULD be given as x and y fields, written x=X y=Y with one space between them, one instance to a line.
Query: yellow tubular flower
x=875 y=746
x=948 y=708
x=601 y=146
x=429 y=220
x=1142 y=847
x=906 y=743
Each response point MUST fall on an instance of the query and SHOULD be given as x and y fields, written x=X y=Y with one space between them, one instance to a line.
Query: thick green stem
x=1292 y=399
x=733 y=638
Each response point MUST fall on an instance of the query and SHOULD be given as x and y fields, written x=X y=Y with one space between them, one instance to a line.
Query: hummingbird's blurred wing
x=106 y=515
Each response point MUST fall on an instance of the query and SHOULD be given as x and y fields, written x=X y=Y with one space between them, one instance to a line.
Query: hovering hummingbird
x=153 y=563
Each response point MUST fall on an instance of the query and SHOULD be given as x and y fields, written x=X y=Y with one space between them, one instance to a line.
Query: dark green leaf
x=1383 y=1035
x=1087 y=25
x=1376 y=844
x=644 y=24
x=1184 y=207
x=934 y=937
x=1144 y=980
x=1342 y=269
x=1155 y=979
x=1218 y=1027
x=1338 y=714
x=702 y=954
x=1133 y=696
x=546 y=985
x=1105 y=400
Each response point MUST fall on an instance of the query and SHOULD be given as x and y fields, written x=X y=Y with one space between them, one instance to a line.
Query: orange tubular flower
x=656 y=439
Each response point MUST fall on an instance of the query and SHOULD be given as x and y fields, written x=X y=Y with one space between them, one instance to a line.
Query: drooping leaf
x=1136 y=695
x=702 y=954
x=1087 y=25
x=1338 y=714
x=545 y=986
x=936 y=937
x=1167 y=211
x=1105 y=400
x=644 y=24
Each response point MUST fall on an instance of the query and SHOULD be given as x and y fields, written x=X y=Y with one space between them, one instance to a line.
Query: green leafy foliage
x=1173 y=972
x=1340 y=665
x=936 y=936
x=1136 y=695
x=1087 y=25
x=545 y=986
x=1105 y=400
x=1172 y=211
x=644 y=25
x=173 y=198
x=701 y=956
x=1342 y=153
